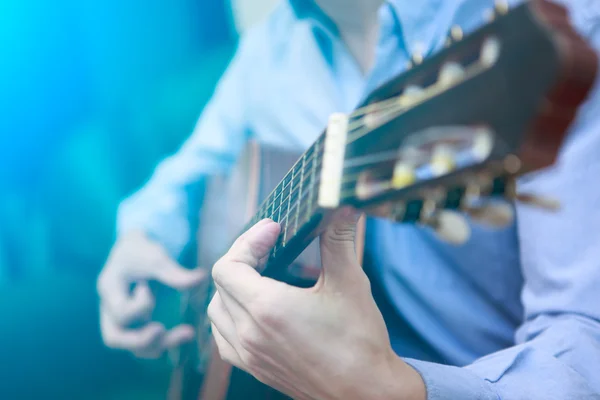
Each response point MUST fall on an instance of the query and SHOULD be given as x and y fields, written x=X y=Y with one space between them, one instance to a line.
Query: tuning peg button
x=410 y=95
x=456 y=33
x=490 y=52
x=451 y=227
x=501 y=7
x=442 y=160
x=404 y=175
x=451 y=73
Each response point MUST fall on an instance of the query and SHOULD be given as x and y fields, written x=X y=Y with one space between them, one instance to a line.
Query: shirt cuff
x=444 y=382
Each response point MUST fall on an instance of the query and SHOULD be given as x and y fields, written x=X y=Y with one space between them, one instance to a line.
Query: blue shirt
x=511 y=314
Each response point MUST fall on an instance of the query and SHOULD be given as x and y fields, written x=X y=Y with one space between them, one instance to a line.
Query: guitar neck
x=293 y=203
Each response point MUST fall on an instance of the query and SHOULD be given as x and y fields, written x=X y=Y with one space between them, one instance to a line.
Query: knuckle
x=265 y=314
x=101 y=284
x=250 y=339
x=250 y=360
x=216 y=271
x=147 y=342
x=211 y=310
x=111 y=340
x=341 y=234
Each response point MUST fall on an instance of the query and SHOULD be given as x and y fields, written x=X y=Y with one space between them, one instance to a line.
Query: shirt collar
x=424 y=22
x=308 y=9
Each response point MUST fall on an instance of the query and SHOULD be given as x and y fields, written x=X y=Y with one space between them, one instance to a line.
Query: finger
x=235 y=273
x=226 y=350
x=147 y=339
x=173 y=275
x=221 y=318
x=125 y=307
x=255 y=244
x=150 y=354
x=127 y=310
x=338 y=251
x=171 y=340
x=178 y=336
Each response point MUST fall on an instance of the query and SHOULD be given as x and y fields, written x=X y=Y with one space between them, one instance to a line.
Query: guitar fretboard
x=293 y=201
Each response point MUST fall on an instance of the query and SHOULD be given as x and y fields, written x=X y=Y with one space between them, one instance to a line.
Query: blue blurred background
x=92 y=95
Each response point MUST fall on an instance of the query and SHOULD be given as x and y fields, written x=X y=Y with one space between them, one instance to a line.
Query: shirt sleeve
x=168 y=203
x=557 y=351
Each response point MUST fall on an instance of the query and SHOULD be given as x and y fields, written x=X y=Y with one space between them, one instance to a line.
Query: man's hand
x=135 y=260
x=327 y=342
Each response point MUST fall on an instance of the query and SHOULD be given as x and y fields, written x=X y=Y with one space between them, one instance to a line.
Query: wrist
x=392 y=379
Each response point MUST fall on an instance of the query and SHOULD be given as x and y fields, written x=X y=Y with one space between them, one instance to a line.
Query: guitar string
x=309 y=179
x=316 y=152
x=357 y=113
x=356 y=130
x=355 y=125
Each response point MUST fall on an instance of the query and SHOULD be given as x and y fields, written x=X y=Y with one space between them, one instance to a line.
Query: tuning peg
x=413 y=91
x=417 y=58
x=530 y=199
x=372 y=119
x=501 y=7
x=451 y=73
x=442 y=160
x=545 y=203
x=451 y=227
x=404 y=175
x=490 y=52
x=483 y=143
x=410 y=95
x=496 y=215
x=456 y=33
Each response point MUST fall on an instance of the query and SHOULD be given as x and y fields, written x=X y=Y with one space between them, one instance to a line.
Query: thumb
x=254 y=245
x=338 y=251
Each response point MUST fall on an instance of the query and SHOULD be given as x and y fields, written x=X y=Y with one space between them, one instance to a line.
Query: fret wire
x=320 y=140
x=271 y=203
x=300 y=194
x=288 y=229
x=289 y=203
x=272 y=197
x=316 y=152
x=293 y=193
x=312 y=185
x=301 y=207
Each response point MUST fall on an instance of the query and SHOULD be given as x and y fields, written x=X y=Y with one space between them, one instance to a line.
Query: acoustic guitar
x=445 y=139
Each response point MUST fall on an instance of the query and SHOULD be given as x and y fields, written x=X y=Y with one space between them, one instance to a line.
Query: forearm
x=559 y=362
x=358 y=25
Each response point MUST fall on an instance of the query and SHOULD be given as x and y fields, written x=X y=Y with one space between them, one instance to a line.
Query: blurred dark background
x=92 y=95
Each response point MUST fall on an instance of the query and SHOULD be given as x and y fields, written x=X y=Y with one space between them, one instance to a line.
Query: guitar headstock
x=452 y=134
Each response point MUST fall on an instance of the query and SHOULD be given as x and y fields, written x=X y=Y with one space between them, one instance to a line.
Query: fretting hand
x=327 y=342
